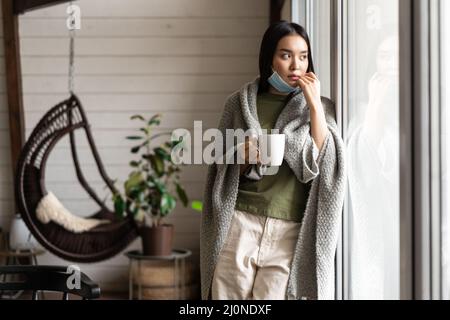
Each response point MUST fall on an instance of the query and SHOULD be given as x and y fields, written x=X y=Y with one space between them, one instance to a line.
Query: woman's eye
x=285 y=55
x=303 y=57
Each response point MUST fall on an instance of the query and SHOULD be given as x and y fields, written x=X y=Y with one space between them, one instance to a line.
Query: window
x=372 y=139
x=314 y=16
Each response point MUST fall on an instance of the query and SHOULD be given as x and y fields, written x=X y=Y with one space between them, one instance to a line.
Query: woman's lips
x=293 y=78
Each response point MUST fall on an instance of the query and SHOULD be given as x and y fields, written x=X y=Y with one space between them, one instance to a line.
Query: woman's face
x=291 y=58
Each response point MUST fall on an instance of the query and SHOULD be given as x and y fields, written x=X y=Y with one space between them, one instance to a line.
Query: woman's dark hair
x=269 y=43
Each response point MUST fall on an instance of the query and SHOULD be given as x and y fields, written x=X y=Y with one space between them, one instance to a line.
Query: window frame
x=420 y=110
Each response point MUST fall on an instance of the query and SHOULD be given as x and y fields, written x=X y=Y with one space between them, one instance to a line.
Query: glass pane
x=372 y=140
x=319 y=34
x=445 y=11
x=320 y=41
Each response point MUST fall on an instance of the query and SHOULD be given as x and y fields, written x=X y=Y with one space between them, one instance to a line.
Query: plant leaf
x=157 y=164
x=159 y=185
x=133 y=181
x=141 y=196
x=136 y=191
x=134 y=137
x=162 y=153
x=182 y=194
x=119 y=204
x=168 y=203
x=135 y=149
x=168 y=144
x=137 y=116
x=135 y=163
x=197 y=205
x=155 y=120
x=150 y=184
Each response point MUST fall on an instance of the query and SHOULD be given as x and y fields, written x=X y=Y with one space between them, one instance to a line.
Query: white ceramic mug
x=271 y=147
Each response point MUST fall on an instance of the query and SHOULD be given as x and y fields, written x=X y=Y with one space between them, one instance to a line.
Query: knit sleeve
x=225 y=122
x=309 y=159
x=330 y=113
x=310 y=154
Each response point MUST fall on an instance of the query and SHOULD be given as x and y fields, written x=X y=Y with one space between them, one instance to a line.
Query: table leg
x=4 y=277
x=139 y=280
x=176 y=278
x=183 y=274
x=130 y=280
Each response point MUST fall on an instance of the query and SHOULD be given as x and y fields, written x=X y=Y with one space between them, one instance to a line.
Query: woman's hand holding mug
x=248 y=149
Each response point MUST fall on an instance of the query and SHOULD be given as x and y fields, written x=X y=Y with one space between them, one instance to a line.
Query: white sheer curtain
x=373 y=149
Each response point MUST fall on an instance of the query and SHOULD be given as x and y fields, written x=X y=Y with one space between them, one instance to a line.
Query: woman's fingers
x=313 y=75
x=302 y=82
x=253 y=145
x=249 y=143
x=307 y=79
x=310 y=79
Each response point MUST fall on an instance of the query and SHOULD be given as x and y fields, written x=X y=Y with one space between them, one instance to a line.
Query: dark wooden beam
x=275 y=10
x=13 y=80
x=11 y=9
x=22 y=6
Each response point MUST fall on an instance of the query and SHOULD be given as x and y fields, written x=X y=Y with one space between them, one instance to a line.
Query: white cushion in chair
x=51 y=209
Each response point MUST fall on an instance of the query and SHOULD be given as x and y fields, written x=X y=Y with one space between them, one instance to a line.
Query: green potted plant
x=152 y=188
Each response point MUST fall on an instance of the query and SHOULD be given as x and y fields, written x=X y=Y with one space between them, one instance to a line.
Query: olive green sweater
x=281 y=195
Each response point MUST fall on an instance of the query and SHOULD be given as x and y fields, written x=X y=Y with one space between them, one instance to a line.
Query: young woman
x=274 y=236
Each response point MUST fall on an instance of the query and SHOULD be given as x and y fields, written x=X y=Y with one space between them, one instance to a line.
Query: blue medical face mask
x=278 y=83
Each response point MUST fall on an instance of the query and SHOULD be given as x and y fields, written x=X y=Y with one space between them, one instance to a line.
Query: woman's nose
x=295 y=64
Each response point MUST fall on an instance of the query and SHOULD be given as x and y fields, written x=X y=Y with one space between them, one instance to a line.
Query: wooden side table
x=15 y=256
x=159 y=277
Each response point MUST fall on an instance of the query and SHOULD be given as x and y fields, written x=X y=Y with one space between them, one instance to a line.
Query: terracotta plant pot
x=157 y=241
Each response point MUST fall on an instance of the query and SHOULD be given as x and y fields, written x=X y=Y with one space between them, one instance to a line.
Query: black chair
x=47 y=278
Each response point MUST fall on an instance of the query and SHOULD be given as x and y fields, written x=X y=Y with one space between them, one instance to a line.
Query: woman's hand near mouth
x=310 y=85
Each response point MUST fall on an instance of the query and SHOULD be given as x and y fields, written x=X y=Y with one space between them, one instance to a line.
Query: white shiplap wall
x=181 y=58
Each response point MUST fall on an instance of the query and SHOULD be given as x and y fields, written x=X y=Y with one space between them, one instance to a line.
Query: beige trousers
x=256 y=258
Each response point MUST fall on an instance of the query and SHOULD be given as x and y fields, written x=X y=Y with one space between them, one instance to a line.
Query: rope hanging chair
x=99 y=243
x=96 y=244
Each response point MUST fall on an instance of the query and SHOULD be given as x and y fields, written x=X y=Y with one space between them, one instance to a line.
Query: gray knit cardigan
x=312 y=269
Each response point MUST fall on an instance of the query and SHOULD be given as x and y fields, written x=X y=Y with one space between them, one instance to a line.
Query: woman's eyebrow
x=290 y=51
